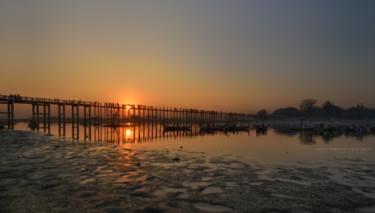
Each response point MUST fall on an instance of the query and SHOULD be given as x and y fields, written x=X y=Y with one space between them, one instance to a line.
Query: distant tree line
x=308 y=108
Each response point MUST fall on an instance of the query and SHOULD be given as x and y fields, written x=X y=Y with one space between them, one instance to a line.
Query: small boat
x=261 y=129
x=356 y=129
x=328 y=129
x=237 y=128
x=349 y=129
x=112 y=125
x=212 y=128
x=176 y=128
x=302 y=129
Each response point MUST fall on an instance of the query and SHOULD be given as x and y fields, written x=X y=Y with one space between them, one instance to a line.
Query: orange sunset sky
x=238 y=56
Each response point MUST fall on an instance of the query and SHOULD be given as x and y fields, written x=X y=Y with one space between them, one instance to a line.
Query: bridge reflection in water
x=148 y=132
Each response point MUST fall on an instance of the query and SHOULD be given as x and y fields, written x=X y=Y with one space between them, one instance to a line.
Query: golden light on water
x=128 y=133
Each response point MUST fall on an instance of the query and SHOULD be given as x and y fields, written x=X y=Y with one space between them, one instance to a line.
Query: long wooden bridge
x=89 y=113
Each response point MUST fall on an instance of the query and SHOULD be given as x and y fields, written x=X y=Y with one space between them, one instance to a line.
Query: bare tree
x=307 y=104
x=262 y=114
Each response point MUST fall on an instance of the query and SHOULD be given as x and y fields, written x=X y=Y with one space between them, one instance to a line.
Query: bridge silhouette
x=89 y=113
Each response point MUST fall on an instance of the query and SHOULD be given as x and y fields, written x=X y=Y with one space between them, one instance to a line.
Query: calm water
x=273 y=146
x=142 y=169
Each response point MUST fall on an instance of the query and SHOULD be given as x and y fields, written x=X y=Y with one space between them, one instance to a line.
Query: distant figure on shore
x=302 y=125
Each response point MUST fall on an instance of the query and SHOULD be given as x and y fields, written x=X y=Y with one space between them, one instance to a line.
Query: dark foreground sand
x=42 y=173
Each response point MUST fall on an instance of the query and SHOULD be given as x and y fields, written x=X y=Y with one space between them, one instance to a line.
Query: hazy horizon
x=239 y=56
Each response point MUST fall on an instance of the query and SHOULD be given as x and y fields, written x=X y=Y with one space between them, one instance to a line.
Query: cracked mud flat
x=42 y=173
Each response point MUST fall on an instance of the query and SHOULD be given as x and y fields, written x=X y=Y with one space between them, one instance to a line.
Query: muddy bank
x=42 y=173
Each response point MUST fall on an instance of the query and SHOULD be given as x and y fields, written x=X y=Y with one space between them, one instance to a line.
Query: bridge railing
x=16 y=98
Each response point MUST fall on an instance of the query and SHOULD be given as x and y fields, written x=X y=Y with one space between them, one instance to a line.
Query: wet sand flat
x=42 y=173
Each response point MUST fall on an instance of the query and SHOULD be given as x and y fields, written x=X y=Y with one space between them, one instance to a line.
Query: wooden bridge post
x=143 y=114
x=170 y=116
x=152 y=134
x=84 y=122
x=160 y=115
x=139 y=113
x=148 y=114
x=186 y=115
x=73 y=121
x=33 y=109
x=12 y=116
x=193 y=115
x=110 y=114
x=167 y=115
x=78 y=121
x=180 y=115
x=37 y=114
x=9 y=115
x=174 y=115
x=44 y=117
x=105 y=113
x=49 y=118
x=163 y=115
x=171 y=113
x=183 y=115
x=100 y=115
x=59 y=117
x=156 y=115
x=129 y=113
x=123 y=114
x=152 y=115
x=157 y=111
x=90 y=121
x=134 y=118
x=63 y=113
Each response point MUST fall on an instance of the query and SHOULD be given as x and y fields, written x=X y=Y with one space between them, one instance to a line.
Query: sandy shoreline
x=42 y=173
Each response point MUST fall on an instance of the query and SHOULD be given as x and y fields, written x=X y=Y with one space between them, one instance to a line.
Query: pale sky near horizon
x=215 y=54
